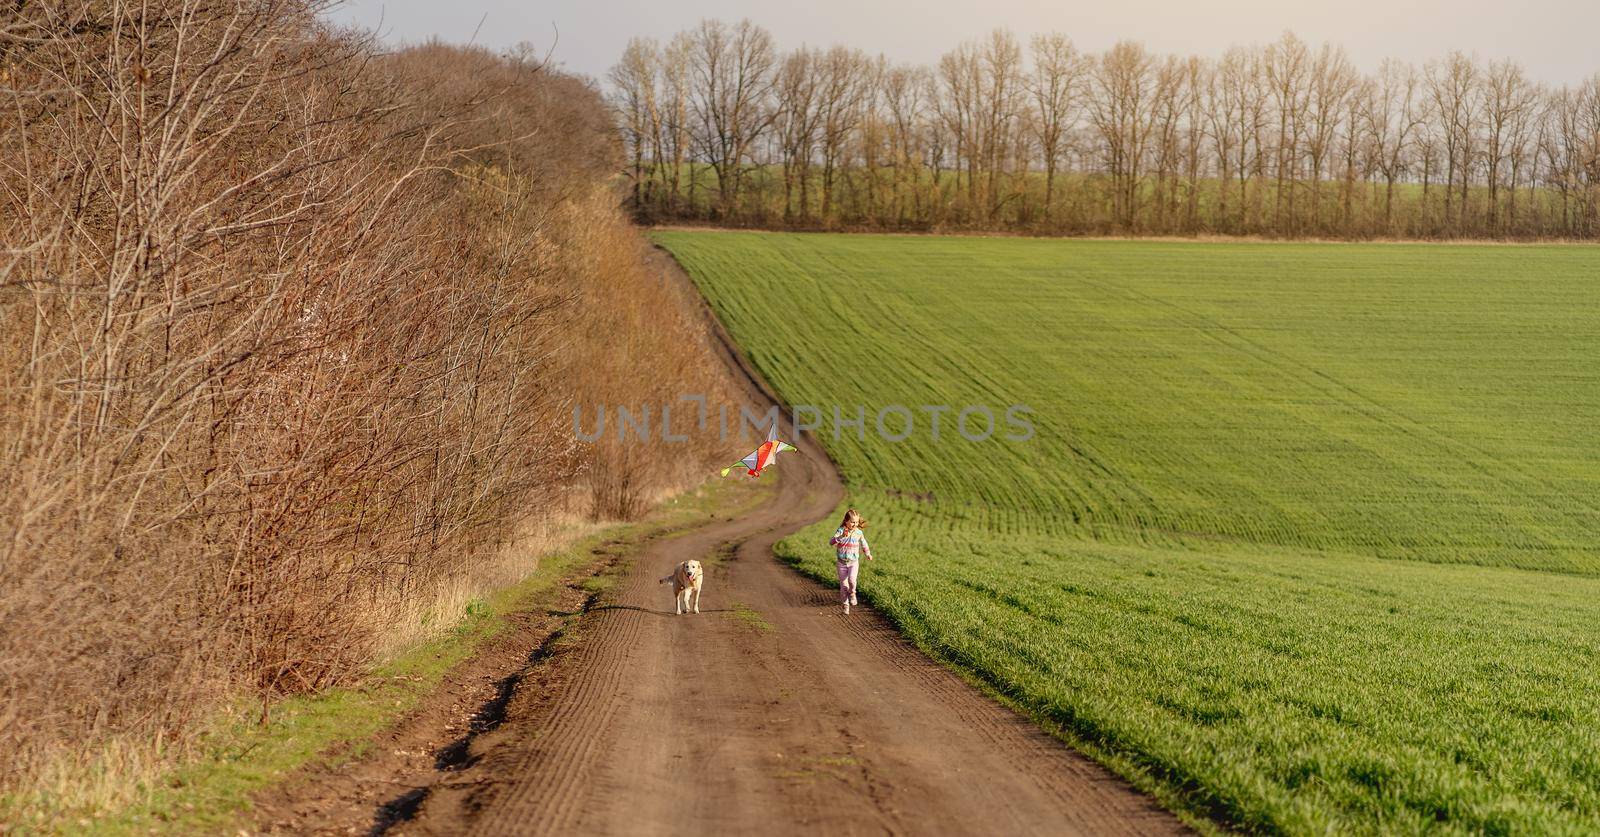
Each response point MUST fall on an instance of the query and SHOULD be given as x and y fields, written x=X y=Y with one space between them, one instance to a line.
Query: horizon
x=586 y=40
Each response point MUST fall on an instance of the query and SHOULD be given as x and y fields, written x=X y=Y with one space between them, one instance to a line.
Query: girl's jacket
x=848 y=549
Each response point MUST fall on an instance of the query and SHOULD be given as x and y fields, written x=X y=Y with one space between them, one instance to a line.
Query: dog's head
x=691 y=569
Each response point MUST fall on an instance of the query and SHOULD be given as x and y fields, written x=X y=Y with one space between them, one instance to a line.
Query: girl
x=850 y=543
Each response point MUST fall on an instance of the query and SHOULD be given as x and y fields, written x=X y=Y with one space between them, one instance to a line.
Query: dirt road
x=769 y=711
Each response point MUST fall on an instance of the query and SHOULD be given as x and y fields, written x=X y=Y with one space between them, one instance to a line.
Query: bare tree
x=1453 y=88
x=1122 y=110
x=905 y=93
x=842 y=81
x=1197 y=75
x=797 y=119
x=959 y=108
x=1509 y=99
x=633 y=80
x=1393 y=121
x=1332 y=83
x=1222 y=114
x=1527 y=121
x=731 y=98
x=1288 y=67
x=866 y=176
x=1000 y=107
x=1238 y=118
x=1170 y=108
x=1055 y=85
x=675 y=123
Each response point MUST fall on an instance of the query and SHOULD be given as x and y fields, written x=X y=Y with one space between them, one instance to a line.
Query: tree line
x=1285 y=139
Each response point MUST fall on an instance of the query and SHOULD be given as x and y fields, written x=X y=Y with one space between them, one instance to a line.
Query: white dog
x=686 y=581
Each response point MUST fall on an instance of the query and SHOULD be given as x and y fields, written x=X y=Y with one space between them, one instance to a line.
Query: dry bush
x=290 y=333
x=648 y=356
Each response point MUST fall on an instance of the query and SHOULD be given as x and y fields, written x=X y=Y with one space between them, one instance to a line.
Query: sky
x=1555 y=40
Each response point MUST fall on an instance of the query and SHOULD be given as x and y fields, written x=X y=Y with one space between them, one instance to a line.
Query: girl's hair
x=855 y=516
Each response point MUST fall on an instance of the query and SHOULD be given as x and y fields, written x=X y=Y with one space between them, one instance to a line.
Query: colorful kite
x=762 y=456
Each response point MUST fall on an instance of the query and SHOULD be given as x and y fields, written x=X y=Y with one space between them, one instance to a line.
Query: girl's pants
x=847 y=580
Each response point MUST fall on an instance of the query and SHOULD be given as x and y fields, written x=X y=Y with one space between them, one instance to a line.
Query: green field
x=1307 y=539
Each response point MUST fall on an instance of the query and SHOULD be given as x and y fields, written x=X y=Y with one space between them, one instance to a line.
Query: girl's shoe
x=852 y=601
x=847 y=608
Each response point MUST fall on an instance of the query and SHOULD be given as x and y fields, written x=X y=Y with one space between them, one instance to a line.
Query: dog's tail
x=665 y=580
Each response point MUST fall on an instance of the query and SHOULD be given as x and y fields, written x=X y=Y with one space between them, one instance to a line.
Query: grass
x=1307 y=538
x=239 y=756
x=750 y=617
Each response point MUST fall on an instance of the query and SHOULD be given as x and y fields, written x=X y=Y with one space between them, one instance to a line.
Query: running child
x=850 y=544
